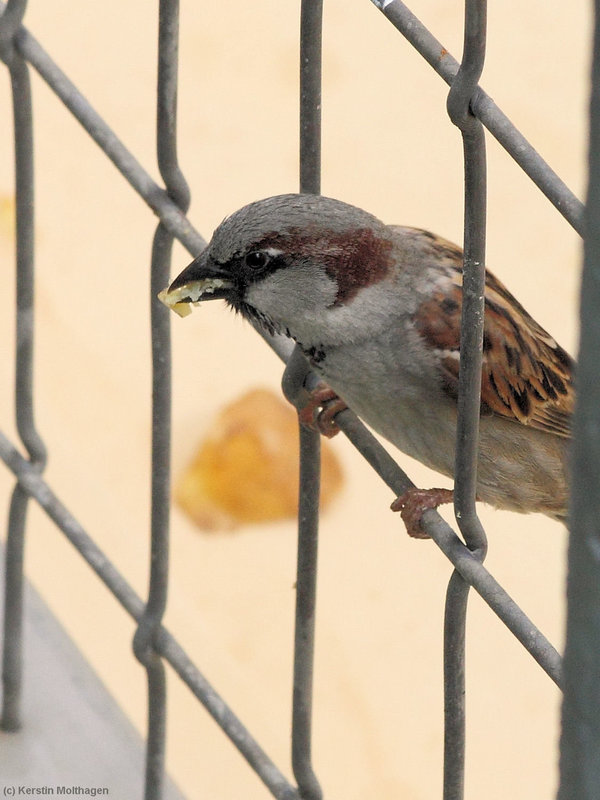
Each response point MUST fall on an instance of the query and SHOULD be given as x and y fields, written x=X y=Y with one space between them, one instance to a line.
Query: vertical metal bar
x=471 y=333
x=12 y=656
x=308 y=530
x=311 y=15
x=461 y=92
x=150 y=624
x=580 y=737
x=454 y=687
x=24 y=180
x=144 y=639
x=311 y=25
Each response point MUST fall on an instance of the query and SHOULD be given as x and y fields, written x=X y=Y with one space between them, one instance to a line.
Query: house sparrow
x=376 y=309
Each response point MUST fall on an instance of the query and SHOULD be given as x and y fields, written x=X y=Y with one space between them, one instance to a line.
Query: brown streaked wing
x=526 y=375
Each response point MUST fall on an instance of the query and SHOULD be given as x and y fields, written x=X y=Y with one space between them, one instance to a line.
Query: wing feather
x=526 y=376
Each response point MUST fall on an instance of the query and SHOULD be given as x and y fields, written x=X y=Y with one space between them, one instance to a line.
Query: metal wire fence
x=472 y=111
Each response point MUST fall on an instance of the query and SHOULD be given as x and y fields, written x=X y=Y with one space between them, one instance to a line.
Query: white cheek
x=293 y=296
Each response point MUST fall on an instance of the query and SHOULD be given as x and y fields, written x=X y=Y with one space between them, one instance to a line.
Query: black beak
x=202 y=280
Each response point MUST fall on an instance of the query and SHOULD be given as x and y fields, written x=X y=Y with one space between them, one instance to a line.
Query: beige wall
x=388 y=147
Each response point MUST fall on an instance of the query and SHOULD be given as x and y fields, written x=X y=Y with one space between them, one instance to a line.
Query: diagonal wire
x=35 y=486
x=484 y=108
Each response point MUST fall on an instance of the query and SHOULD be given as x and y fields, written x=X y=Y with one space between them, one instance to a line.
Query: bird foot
x=322 y=397
x=414 y=502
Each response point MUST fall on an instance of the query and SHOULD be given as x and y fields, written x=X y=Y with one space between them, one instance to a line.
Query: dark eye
x=257 y=259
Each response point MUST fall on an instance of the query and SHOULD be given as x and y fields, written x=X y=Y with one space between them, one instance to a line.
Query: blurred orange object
x=7 y=216
x=246 y=470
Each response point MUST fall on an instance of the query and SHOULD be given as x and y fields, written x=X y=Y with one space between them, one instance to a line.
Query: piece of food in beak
x=181 y=298
x=171 y=301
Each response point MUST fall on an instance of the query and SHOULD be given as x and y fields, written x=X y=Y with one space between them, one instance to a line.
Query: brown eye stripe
x=354 y=259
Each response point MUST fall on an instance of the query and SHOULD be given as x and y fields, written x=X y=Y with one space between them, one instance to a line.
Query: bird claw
x=322 y=397
x=413 y=504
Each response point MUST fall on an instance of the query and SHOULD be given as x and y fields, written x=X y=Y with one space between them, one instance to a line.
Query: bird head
x=295 y=263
